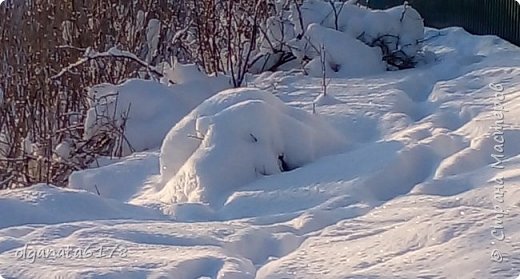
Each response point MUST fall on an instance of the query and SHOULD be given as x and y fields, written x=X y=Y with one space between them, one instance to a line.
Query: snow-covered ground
x=418 y=187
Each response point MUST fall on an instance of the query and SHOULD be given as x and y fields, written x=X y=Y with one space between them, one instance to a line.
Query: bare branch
x=111 y=53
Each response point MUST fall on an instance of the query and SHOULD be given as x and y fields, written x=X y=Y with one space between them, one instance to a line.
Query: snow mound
x=234 y=138
x=326 y=100
x=150 y=108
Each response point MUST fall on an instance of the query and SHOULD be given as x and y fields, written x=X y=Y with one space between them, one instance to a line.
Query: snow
x=356 y=41
x=45 y=204
x=326 y=100
x=27 y=145
x=235 y=137
x=152 y=38
x=145 y=110
x=120 y=180
x=343 y=55
x=185 y=73
x=414 y=192
x=400 y=21
x=63 y=150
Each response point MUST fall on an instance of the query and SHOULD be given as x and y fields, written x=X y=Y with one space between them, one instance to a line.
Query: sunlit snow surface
x=412 y=195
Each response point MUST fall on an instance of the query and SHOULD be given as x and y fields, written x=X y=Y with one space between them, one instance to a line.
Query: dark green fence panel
x=482 y=17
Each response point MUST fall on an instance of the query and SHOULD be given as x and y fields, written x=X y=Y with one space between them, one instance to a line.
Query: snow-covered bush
x=235 y=137
x=398 y=31
x=138 y=114
x=275 y=33
x=336 y=26
x=327 y=46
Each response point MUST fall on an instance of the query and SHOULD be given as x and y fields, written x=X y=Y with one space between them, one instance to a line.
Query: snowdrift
x=150 y=108
x=45 y=204
x=234 y=138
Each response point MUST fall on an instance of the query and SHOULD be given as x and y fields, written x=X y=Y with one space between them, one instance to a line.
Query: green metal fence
x=483 y=17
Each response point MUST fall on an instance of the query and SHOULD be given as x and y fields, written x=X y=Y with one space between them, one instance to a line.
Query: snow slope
x=416 y=193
